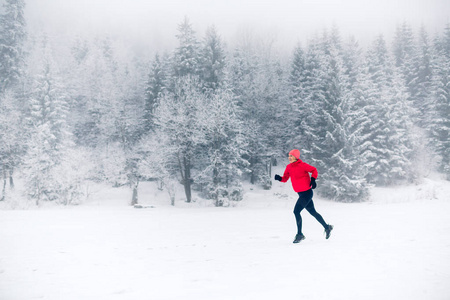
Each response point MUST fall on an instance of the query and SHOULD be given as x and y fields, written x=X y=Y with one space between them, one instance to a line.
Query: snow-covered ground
x=396 y=246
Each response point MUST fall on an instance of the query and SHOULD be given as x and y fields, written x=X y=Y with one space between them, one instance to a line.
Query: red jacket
x=299 y=173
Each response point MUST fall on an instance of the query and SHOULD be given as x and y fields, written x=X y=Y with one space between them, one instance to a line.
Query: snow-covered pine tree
x=410 y=72
x=404 y=45
x=212 y=60
x=406 y=60
x=39 y=164
x=422 y=96
x=156 y=85
x=301 y=80
x=272 y=105
x=389 y=148
x=329 y=117
x=96 y=90
x=12 y=39
x=309 y=108
x=327 y=148
x=440 y=120
x=376 y=151
x=258 y=81
x=421 y=99
x=49 y=135
x=296 y=93
x=107 y=49
x=353 y=163
x=80 y=49
x=12 y=63
x=108 y=101
x=243 y=67
x=130 y=125
x=281 y=110
x=12 y=139
x=400 y=136
x=82 y=119
x=186 y=56
x=297 y=72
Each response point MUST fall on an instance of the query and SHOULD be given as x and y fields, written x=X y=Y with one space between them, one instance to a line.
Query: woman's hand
x=313 y=183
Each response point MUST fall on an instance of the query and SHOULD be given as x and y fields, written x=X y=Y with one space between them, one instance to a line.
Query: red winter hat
x=295 y=153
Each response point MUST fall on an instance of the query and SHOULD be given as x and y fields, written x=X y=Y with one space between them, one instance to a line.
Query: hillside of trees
x=209 y=118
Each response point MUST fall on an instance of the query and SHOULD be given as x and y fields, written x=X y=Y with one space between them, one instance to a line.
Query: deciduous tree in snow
x=226 y=148
x=256 y=79
x=181 y=116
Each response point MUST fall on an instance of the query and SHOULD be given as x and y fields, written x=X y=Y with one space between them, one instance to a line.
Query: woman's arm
x=311 y=169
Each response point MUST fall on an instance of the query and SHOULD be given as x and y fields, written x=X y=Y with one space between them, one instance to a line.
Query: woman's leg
x=310 y=208
x=297 y=209
x=303 y=200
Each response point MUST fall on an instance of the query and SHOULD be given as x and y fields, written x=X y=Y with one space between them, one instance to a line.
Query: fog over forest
x=152 y=24
x=209 y=95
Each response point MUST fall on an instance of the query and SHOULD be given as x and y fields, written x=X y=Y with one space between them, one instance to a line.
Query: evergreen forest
x=212 y=118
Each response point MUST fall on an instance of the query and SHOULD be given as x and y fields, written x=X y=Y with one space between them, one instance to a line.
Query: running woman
x=303 y=184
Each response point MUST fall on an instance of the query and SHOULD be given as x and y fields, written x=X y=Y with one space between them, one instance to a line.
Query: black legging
x=305 y=201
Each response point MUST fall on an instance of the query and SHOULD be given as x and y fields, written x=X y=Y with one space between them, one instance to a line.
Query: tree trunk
x=274 y=162
x=38 y=198
x=252 y=165
x=185 y=170
x=171 y=191
x=160 y=184
x=170 y=187
x=134 y=198
x=216 y=184
x=187 y=179
x=11 y=180
x=4 y=185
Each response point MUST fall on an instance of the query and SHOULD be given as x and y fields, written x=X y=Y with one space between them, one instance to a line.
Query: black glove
x=313 y=183
x=278 y=177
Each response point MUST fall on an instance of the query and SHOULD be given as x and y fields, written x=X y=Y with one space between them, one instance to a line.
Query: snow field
x=379 y=250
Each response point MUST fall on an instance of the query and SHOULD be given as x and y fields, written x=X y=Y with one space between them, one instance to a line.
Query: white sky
x=154 y=23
